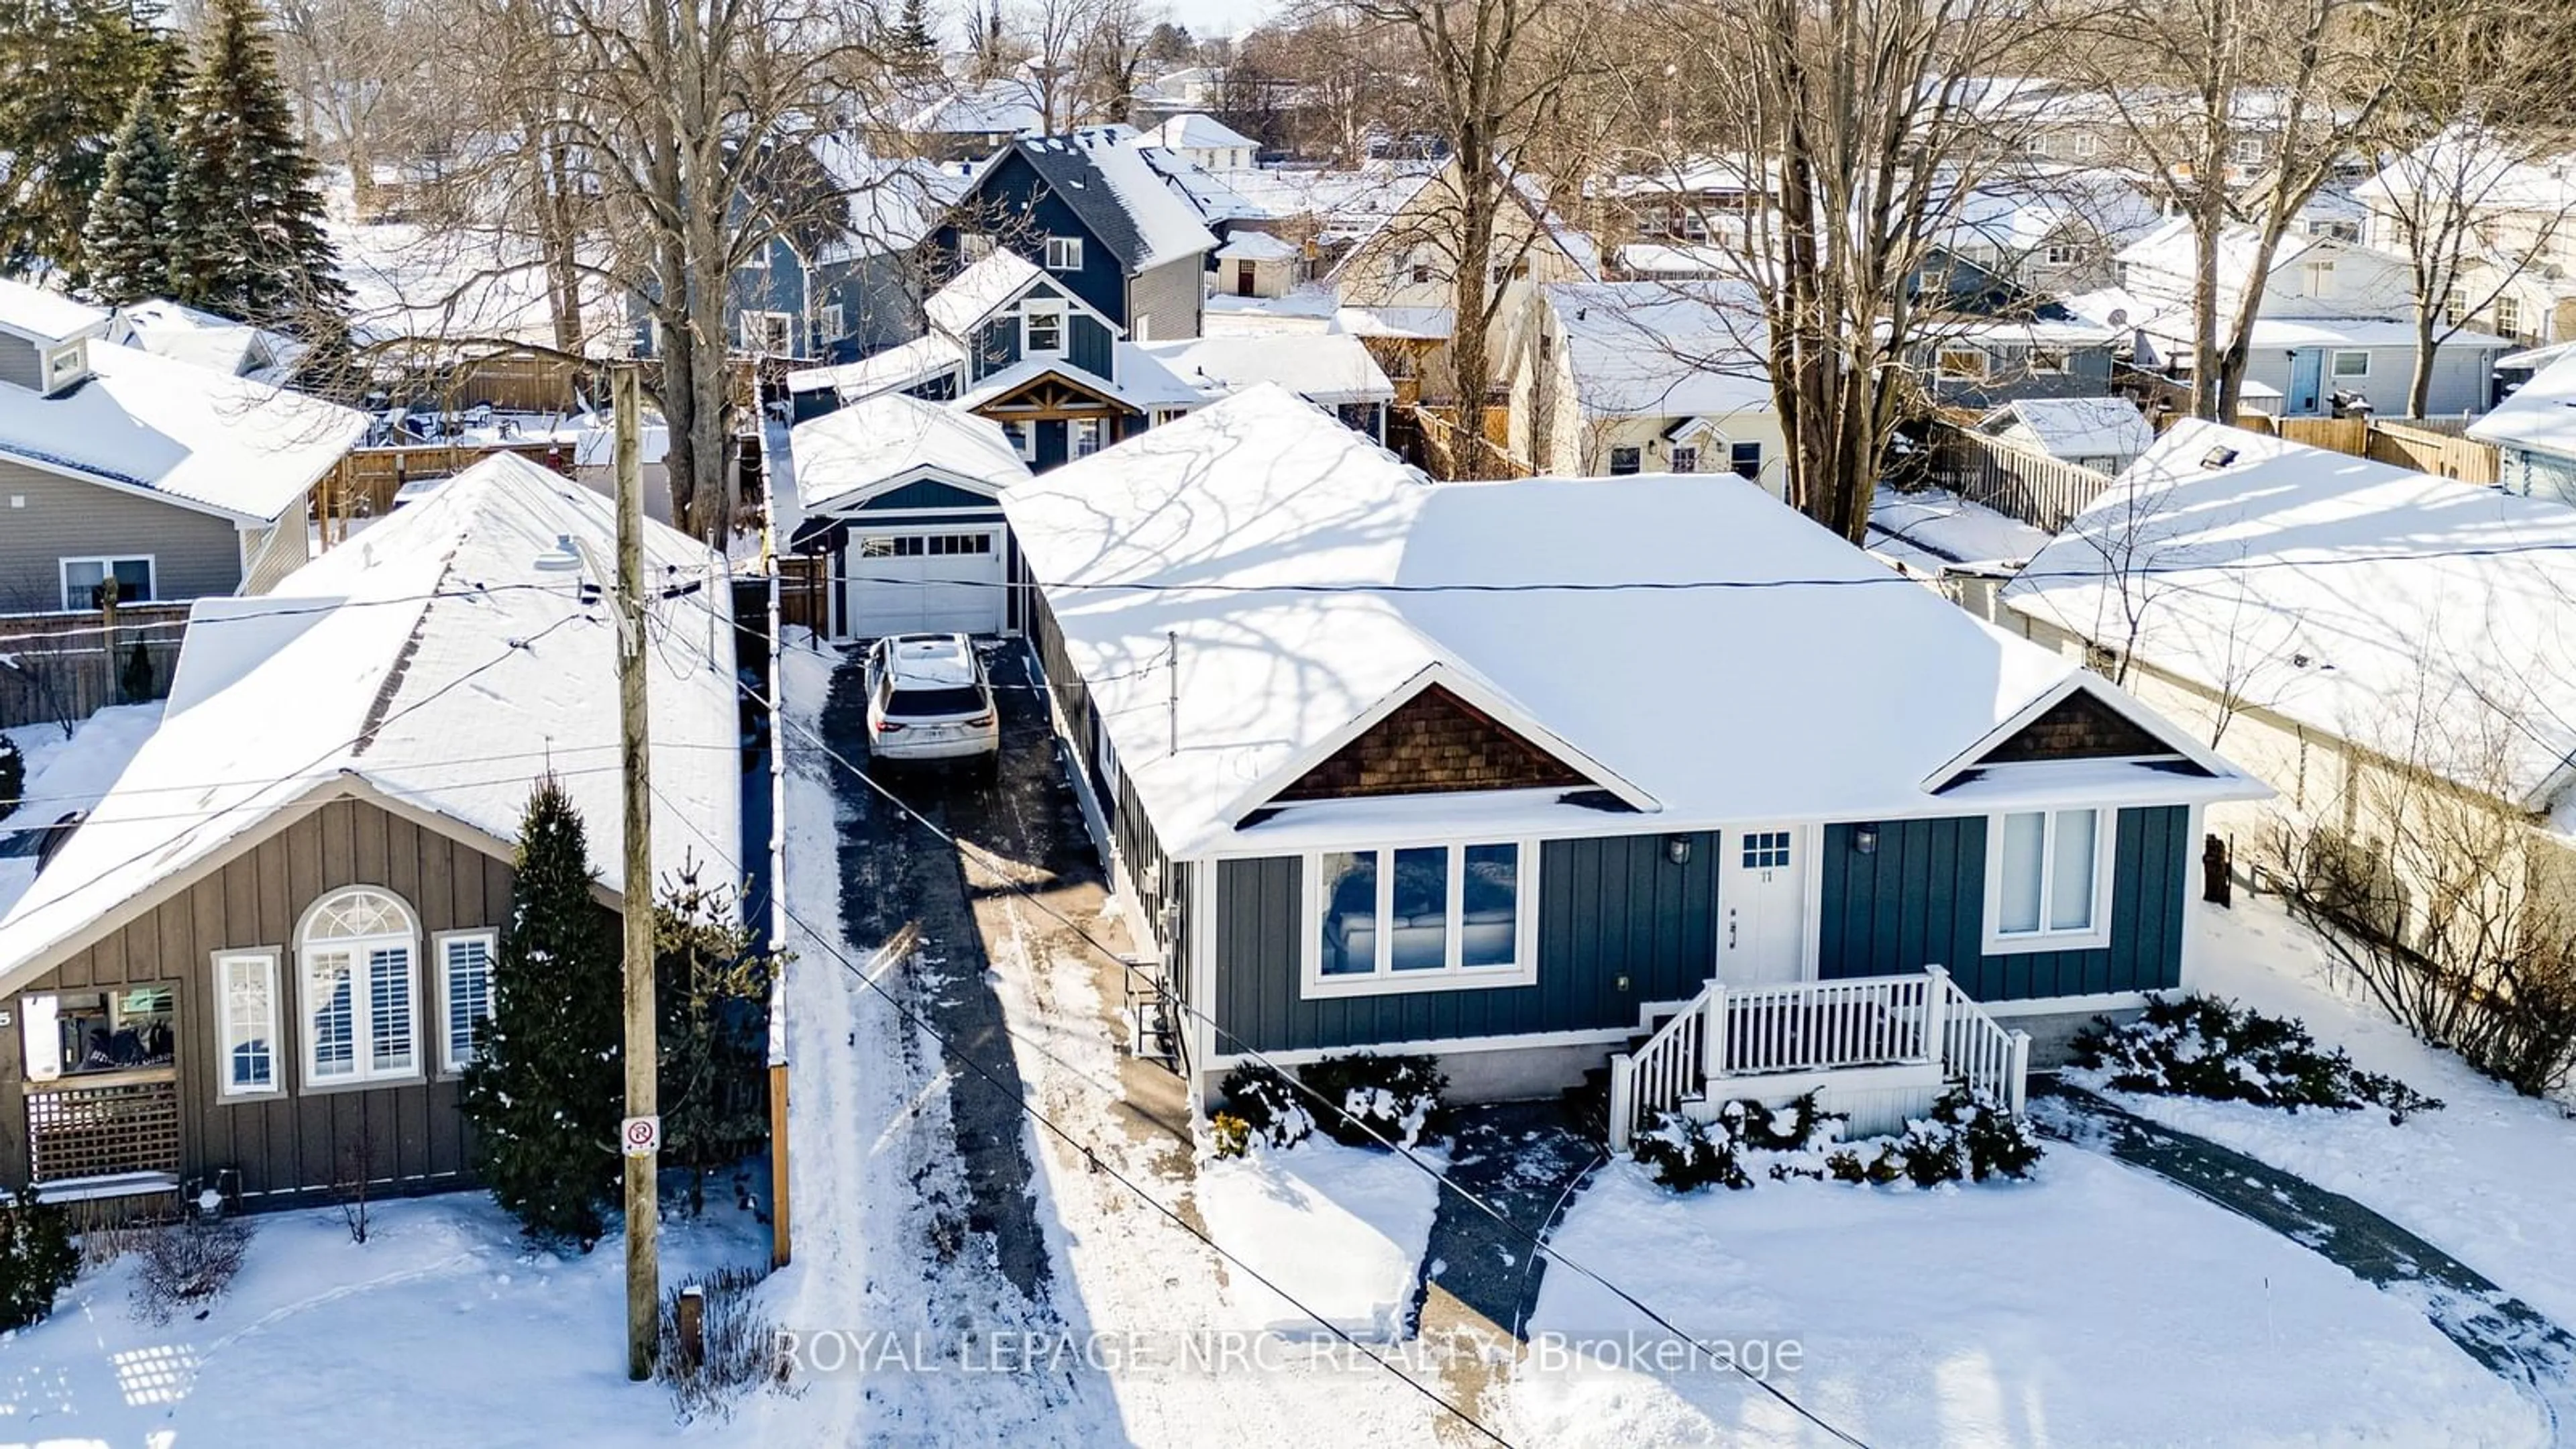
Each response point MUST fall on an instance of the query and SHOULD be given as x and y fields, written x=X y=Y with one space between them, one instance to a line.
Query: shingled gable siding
x=289 y=1147
x=1920 y=900
x=1610 y=907
x=1434 y=742
x=2078 y=727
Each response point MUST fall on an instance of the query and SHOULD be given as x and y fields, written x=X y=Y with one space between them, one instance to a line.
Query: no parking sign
x=642 y=1136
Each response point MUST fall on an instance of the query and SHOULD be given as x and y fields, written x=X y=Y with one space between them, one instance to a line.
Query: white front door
x=1761 y=905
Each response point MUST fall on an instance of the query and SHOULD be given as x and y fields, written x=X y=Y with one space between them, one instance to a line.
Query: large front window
x=360 y=960
x=2047 y=873
x=1421 y=916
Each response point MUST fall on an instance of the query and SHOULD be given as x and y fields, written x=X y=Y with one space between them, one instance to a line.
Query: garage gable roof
x=876 y=445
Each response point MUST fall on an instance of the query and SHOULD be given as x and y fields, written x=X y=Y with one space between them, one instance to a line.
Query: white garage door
x=930 y=581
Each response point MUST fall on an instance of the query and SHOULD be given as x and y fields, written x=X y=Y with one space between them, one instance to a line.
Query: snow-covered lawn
x=1372 y=1207
x=2093 y=1305
x=64 y=775
x=443 y=1327
x=2489 y=1177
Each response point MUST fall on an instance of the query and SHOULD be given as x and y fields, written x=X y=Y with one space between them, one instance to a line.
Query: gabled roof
x=906 y=364
x=1255 y=246
x=1102 y=174
x=185 y=334
x=200 y=438
x=1663 y=349
x=972 y=297
x=879 y=443
x=434 y=665
x=2077 y=427
x=1328 y=369
x=1309 y=582
x=2541 y=414
x=2415 y=615
x=48 y=319
x=1197 y=131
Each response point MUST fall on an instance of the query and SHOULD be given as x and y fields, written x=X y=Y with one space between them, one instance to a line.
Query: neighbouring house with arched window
x=257 y=967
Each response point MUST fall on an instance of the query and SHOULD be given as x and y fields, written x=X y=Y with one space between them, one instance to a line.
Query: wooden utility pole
x=643 y=1052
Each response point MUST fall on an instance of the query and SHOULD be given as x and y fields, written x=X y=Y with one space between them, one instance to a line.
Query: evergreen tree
x=547 y=1088
x=911 y=49
x=126 y=243
x=246 y=216
x=67 y=69
x=713 y=981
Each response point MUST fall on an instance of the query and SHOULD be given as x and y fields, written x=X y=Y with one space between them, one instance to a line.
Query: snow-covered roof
x=46 y=318
x=893 y=437
x=2416 y=615
x=1418 y=324
x=1255 y=246
x=2541 y=414
x=1663 y=349
x=185 y=334
x=1328 y=369
x=906 y=364
x=1344 y=205
x=2481 y=170
x=1196 y=131
x=982 y=289
x=1306 y=581
x=1103 y=175
x=1936 y=529
x=201 y=438
x=433 y=663
x=999 y=106
x=2077 y=427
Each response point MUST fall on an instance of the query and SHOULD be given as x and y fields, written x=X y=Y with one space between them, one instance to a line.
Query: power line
x=263 y=780
x=1091 y=1155
x=1537 y=1241
x=289 y=611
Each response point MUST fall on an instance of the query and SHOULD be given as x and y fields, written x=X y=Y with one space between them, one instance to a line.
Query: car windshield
x=957 y=699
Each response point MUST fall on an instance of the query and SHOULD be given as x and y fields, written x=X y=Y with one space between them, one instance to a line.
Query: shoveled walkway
x=2500 y=1331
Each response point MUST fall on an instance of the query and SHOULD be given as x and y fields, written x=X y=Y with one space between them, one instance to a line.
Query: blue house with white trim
x=1091 y=211
x=1379 y=765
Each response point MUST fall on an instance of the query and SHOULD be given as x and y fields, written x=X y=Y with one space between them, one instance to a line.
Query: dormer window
x=1064 y=254
x=1045 y=329
x=64 y=366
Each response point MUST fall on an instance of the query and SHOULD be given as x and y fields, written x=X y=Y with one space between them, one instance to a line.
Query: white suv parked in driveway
x=928 y=699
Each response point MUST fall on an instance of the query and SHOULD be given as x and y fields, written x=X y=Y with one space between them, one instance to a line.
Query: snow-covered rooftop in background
x=1255 y=246
x=906 y=364
x=1936 y=529
x=2414 y=614
x=435 y=661
x=1309 y=576
x=45 y=317
x=1329 y=369
x=895 y=435
x=2076 y=427
x=185 y=334
x=1663 y=349
x=2541 y=414
x=1197 y=131
x=1140 y=218
x=1001 y=106
x=203 y=438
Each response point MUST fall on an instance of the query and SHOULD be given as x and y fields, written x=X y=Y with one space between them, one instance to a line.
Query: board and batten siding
x=1619 y=926
x=292 y=1146
x=1920 y=900
x=46 y=518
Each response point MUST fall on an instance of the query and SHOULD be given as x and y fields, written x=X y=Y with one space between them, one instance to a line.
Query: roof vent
x=562 y=558
x=2119 y=317
x=2218 y=457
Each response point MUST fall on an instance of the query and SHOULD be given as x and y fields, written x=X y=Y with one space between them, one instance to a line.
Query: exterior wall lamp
x=1677 y=849
x=1865 y=839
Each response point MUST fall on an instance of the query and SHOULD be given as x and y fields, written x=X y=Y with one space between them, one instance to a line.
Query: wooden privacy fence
x=2437 y=449
x=1450 y=452
x=364 y=484
x=511 y=382
x=2342 y=435
x=59 y=667
x=2033 y=487
x=804 y=593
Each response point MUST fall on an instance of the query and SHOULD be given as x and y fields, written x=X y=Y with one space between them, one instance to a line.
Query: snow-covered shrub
x=739 y=1349
x=13 y=776
x=1968 y=1137
x=37 y=1259
x=1262 y=1106
x=188 y=1264
x=1382 y=1098
x=2200 y=1046
x=1807 y=1129
x=1686 y=1155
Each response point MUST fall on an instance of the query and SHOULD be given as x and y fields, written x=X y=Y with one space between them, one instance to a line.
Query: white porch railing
x=1729 y=1038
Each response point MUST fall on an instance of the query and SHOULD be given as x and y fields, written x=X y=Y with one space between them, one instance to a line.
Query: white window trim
x=449 y=1062
x=362 y=1022
x=1942 y=354
x=1072 y=257
x=1314 y=985
x=756 y=328
x=1027 y=441
x=108 y=562
x=2334 y=362
x=2106 y=840
x=1063 y=330
x=835 y=322
x=266 y=960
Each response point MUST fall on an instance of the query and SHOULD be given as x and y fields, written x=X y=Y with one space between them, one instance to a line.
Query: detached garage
x=900 y=494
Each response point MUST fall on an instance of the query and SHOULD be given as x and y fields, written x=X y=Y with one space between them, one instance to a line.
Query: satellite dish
x=2119 y=316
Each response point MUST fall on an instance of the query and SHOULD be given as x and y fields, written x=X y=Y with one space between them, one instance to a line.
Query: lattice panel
x=97 y=1131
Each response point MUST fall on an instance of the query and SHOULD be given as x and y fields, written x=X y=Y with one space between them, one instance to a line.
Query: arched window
x=360 y=955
